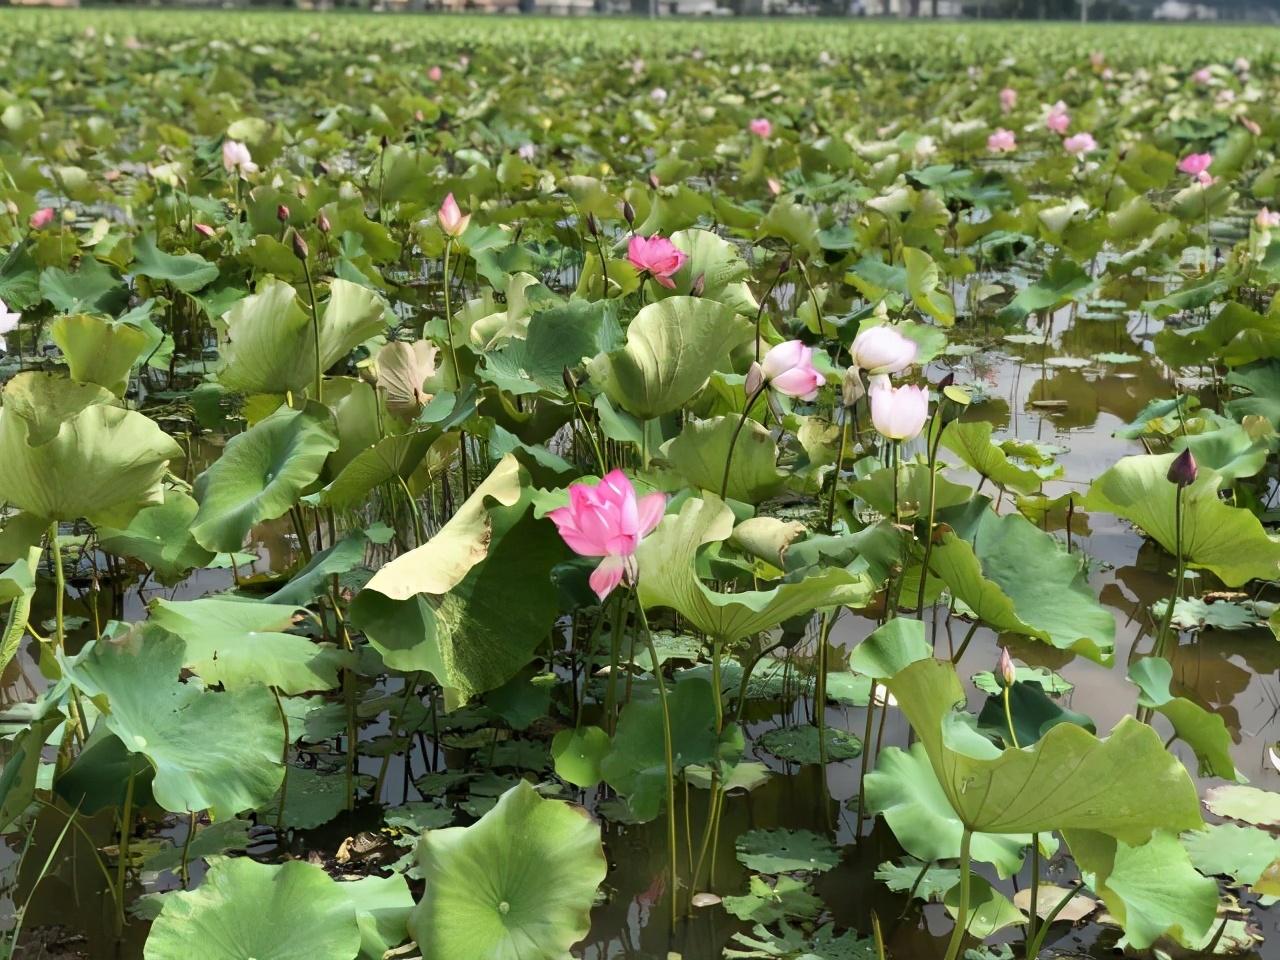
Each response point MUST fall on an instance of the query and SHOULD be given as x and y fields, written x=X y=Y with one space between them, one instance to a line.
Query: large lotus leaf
x=98 y=350
x=889 y=648
x=477 y=636
x=215 y=751
x=186 y=272
x=160 y=536
x=699 y=453
x=923 y=281
x=668 y=578
x=1203 y=730
x=1016 y=577
x=290 y=911
x=1226 y=540
x=1228 y=849
x=990 y=911
x=439 y=565
x=1063 y=282
x=239 y=643
x=20 y=774
x=516 y=885
x=65 y=454
x=261 y=474
x=672 y=348
x=269 y=341
x=17 y=587
x=1230 y=451
x=563 y=336
x=1262 y=381
x=387 y=459
x=636 y=767
x=905 y=791
x=93 y=288
x=971 y=442
x=719 y=264
x=1126 y=786
x=1151 y=888
x=314 y=579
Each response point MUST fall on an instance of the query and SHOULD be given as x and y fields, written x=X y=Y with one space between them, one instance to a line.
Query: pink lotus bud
x=897 y=413
x=452 y=220
x=282 y=213
x=322 y=221
x=882 y=349
x=1194 y=164
x=1002 y=141
x=1184 y=470
x=1005 y=671
x=435 y=74
x=41 y=218
x=762 y=127
x=1008 y=99
x=203 y=228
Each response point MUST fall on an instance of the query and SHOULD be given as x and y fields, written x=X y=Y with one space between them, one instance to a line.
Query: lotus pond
x=485 y=489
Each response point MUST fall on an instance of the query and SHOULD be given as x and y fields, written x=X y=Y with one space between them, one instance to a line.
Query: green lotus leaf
x=19 y=775
x=577 y=755
x=889 y=648
x=17 y=587
x=1262 y=383
x=268 y=343
x=699 y=452
x=516 y=885
x=98 y=350
x=911 y=874
x=314 y=579
x=1226 y=540
x=672 y=348
x=186 y=272
x=668 y=578
x=290 y=911
x=636 y=766
x=211 y=751
x=1126 y=786
x=720 y=265
x=1151 y=888
x=767 y=902
x=799 y=743
x=65 y=453
x=93 y=288
x=261 y=474
x=160 y=536
x=1063 y=282
x=971 y=441
x=905 y=791
x=990 y=911
x=786 y=851
x=1015 y=577
x=1202 y=730
x=1230 y=451
x=1228 y=849
x=240 y=642
x=1034 y=714
x=923 y=279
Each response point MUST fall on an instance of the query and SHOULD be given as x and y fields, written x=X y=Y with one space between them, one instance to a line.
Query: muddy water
x=1233 y=673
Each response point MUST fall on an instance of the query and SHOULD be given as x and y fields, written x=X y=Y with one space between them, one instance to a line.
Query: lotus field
x=515 y=489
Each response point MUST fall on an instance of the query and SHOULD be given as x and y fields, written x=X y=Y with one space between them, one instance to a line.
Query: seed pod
x=1184 y=470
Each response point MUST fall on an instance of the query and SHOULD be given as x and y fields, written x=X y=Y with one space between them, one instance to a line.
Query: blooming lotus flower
x=8 y=321
x=236 y=158
x=658 y=95
x=898 y=413
x=1196 y=166
x=1080 y=144
x=787 y=368
x=761 y=127
x=1202 y=76
x=658 y=257
x=41 y=218
x=452 y=220
x=1267 y=219
x=1002 y=141
x=435 y=74
x=1058 y=119
x=1008 y=99
x=882 y=349
x=608 y=520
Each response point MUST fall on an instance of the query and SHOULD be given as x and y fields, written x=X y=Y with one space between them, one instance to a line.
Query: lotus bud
x=852 y=388
x=570 y=381
x=1184 y=470
x=755 y=379
x=300 y=249
x=282 y=213
x=947 y=381
x=628 y=213
x=654 y=182
x=784 y=265
x=383 y=141
x=419 y=116
x=322 y=221
x=1004 y=669
x=699 y=285
x=593 y=228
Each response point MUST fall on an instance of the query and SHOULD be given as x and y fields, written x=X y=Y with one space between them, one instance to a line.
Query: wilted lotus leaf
x=403 y=370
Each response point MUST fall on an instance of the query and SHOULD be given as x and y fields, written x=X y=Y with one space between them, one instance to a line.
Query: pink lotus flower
x=1266 y=219
x=236 y=158
x=1008 y=99
x=1202 y=76
x=787 y=368
x=204 y=228
x=1080 y=144
x=882 y=349
x=1196 y=166
x=658 y=257
x=452 y=220
x=41 y=218
x=761 y=127
x=435 y=74
x=1002 y=141
x=8 y=321
x=658 y=95
x=898 y=413
x=607 y=520
x=1058 y=119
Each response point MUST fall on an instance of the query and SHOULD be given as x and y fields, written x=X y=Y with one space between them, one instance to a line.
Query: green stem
x=122 y=864
x=933 y=507
x=448 y=319
x=1008 y=716
x=284 y=762
x=184 y=873
x=1033 y=948
x=962 y=914
x=835 y=476
x=669 y=756
x=866 y=755
x=615 y=650
x=60 y=634
x=742 y=422
x=315 y=330
x=1180 y=572
x=1033 y=916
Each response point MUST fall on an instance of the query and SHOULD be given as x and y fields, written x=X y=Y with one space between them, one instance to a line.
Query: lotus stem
x=122 y=863
x=315 y=329
x=835 y=477
x=615 y=650
x=1033 y=948
x=669 y=757
x=184 y=872
x=866 y=753
x=448 y=319
x=1179 y=573
x=1008 y=717
x=284 y=762
x=733 y=440
x=933 y=509
x=1035 y=881
x=962 y=914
